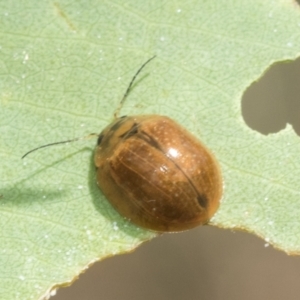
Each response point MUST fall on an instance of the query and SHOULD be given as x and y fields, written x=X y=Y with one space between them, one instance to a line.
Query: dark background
x=209 y=263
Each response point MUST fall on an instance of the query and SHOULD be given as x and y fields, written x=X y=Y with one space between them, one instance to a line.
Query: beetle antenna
x=115 y=114
x=62 y=142
x=130 y=85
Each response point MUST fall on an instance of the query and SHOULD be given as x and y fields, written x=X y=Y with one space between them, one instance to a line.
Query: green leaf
x=64 y=67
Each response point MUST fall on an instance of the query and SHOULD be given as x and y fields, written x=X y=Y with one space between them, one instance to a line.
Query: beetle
x=154 y=172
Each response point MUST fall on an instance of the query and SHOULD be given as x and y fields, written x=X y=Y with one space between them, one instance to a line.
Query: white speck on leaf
x=26 y=58
x=115 y=226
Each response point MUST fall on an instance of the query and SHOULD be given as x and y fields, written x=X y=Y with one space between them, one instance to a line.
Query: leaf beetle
x=154 y=172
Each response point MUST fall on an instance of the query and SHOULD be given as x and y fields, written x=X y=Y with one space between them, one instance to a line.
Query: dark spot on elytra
x=202 y=200
x=100 y=138
x=150 y=140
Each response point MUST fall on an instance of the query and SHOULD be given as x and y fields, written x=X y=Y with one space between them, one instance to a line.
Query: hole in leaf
x=272 y=102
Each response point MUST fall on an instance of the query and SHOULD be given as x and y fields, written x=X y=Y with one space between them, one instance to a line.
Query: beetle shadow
x=20 y=194
x=104 y=207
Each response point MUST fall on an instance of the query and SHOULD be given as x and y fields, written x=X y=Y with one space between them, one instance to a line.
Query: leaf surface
x=64 y=67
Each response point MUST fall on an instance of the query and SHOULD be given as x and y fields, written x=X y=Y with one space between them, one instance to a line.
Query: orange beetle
x=154 y=172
